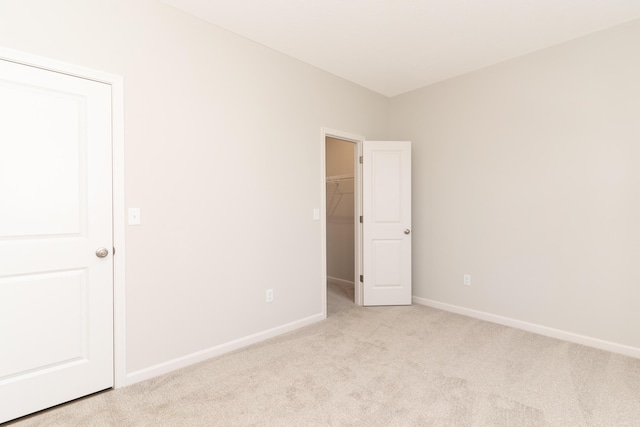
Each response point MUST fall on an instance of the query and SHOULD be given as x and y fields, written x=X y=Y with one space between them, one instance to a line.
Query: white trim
x=117 y=93
x=359 y=260
x=57 y=66
x=199 y=356
x=533 y=327
x=119 y=295
x=340 y=281
x=356 y=139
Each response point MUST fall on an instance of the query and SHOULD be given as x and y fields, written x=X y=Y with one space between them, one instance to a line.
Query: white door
x=386 y=228
x=56 y=294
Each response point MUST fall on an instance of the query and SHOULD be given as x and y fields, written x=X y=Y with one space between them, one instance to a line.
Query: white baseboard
x=199 y=356
x=532 y=327
x=340 y=281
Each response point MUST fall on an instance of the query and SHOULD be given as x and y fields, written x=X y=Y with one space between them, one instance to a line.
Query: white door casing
x=56 y=295
x=386 y=210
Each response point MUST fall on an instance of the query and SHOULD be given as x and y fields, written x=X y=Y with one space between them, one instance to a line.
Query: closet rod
x=339 y=178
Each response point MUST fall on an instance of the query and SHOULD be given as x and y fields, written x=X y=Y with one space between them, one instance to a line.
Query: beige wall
x=223 y=156
x=526 y=177
x=340 y=211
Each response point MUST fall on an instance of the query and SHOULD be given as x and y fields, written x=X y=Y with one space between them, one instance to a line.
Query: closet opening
x=341 y=225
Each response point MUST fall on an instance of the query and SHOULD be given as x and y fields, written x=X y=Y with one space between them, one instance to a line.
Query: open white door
x=386 y=228
x=56 y=266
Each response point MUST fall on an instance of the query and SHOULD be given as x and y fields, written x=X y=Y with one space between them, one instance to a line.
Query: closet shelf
x=339 y=178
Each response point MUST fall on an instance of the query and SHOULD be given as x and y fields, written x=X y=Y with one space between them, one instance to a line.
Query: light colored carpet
x=384 y=366
x=339 y=297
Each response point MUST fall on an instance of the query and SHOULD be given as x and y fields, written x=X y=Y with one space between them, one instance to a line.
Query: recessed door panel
x=42 y=161
x=387 y=262
x=386 y=189
x=49 y=335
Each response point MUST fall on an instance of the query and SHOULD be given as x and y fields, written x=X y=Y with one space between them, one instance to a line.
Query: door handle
x=407 y=231
x=102 y=252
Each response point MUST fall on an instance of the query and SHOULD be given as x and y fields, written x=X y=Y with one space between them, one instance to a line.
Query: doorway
x=381 y=238
x=341 y=225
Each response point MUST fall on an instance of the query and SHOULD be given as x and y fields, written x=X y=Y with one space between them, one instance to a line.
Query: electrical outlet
x=269 y=295
x=467 y=280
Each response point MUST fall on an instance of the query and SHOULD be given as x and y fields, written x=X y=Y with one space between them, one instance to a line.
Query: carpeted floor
x=384 y=366
x=339 y=297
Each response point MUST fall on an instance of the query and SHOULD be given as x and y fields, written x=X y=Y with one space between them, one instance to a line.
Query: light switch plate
x=316 y=214
x=134 y=216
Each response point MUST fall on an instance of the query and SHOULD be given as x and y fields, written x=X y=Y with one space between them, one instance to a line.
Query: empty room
x=180 y=244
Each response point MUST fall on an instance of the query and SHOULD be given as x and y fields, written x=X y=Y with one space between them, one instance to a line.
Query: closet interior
x=340 y=210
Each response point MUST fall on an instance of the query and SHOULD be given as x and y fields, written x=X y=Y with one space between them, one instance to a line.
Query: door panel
x=41 y=126
x=62 y=339
x=56 y=296
x=386 y=191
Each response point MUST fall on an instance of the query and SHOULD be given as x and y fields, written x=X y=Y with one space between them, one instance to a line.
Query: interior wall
x=340 y=210
x=222 y=147
x=526 y=178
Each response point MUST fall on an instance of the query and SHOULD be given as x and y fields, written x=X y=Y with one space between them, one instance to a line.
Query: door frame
x=357 y=172
x=118 y=206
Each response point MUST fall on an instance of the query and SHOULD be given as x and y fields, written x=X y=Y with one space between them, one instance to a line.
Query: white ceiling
x=394 y=46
